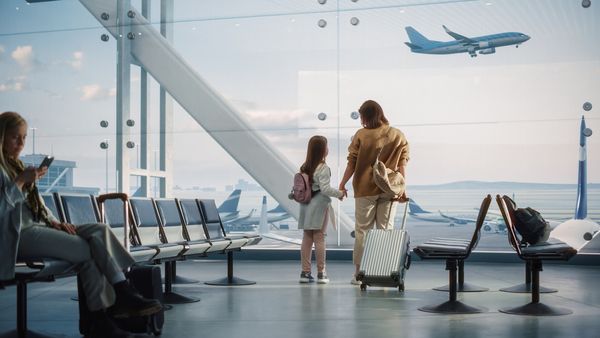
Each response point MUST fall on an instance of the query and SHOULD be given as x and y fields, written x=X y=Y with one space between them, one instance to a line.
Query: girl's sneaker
x=306 y=277
x=322 y=278
x=355 y=281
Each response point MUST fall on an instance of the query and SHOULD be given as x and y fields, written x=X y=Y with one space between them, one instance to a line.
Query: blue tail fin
x=415 y=208
x=417 y=40
x=231 y=202
x=581 y=205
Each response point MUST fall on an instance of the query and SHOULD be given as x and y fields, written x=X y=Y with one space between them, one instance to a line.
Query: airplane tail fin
x=417 y=40
x=263 y=225
x=231 y=202
x=581 y=205
x=415 y=208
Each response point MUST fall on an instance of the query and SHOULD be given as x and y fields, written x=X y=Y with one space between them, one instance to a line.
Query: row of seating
x=456 y=250
x=159 y=230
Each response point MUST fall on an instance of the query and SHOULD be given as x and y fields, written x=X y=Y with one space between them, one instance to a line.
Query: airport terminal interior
x=192 y=117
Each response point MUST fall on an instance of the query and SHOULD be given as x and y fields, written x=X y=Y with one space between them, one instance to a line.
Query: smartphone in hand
x=46 y=162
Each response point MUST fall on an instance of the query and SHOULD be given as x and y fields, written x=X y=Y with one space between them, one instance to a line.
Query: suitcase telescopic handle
x=403 y=225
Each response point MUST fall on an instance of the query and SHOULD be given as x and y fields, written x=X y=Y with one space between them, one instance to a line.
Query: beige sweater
x=363 y=151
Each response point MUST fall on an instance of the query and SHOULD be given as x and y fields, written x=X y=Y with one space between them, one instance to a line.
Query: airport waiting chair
x=79 y=209
x=29 y=270
x=152 y=233
x=114 y=211
x=454 y=251
x=51 y=203
x=535 y=255
x=147 y=226
x=172 y=223
x=194 y=228
x=214 y=231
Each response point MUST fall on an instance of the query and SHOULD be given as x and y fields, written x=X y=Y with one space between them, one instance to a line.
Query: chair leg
x=180 y=279
x=170 y=297
x=535 y=308
x=527 y=286
x=230 y=279
x=462 y=285
x=22 y=331
x=452 y=306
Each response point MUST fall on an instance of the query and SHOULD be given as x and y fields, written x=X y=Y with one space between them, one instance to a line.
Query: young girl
x=30 y=230
x=314 y=215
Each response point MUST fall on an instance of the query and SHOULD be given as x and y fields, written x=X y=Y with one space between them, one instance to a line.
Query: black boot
x=130 y=303
x=104 y=327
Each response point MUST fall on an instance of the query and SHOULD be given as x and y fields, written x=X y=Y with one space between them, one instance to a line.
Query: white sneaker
x=322 y=278
x=354 y=281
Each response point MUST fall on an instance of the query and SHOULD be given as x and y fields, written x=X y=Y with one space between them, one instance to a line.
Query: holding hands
x=344 y=192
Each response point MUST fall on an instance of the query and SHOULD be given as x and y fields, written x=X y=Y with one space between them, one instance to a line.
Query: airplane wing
x=458 y=220
x=238 y=219
x=282 y=238
x=465 y=40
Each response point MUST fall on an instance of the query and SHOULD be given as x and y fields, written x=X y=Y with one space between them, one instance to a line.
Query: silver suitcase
x=386 y=257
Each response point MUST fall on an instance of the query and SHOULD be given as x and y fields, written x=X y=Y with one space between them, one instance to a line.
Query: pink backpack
x=301 y=190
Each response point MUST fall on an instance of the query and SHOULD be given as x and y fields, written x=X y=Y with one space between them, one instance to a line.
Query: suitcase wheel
x=363 y=287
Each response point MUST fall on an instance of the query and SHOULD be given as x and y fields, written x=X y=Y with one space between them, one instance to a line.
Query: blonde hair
x=8 y=121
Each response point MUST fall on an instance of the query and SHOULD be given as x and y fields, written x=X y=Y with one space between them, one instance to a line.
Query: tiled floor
x=278 y=306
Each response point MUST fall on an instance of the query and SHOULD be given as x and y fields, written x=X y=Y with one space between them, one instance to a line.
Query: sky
x=509 y=116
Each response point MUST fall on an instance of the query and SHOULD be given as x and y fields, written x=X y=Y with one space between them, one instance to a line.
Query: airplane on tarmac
x=230 y=215
x=264 y=225
x=580 y=231
x=228 y=210
x=486 y=44
x=492 y=224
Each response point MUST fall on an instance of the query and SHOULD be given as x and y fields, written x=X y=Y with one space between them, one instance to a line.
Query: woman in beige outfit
x=372 y=206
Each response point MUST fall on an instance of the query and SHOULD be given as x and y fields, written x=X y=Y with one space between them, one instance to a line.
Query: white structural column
x=166 y=107
x=123 y=89
x=265 y=163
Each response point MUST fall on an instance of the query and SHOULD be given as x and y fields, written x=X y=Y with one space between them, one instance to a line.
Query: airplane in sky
x=486 y=44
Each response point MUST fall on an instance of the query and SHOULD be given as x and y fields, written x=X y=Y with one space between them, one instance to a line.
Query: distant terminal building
x=59 y=177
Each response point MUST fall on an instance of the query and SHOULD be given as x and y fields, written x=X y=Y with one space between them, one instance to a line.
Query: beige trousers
x=95 y=247
x=375 y=210
x=316 y=237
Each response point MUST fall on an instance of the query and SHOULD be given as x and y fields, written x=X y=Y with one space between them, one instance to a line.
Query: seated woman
x=28 y=229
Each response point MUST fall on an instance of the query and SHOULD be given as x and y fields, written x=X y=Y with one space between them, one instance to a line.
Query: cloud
x=2 y=51
x=25 y=57
x=96 y=92
x=77 y=62
x=15 y=84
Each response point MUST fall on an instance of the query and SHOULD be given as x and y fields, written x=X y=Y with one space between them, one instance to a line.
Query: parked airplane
x=414 y=210
x=264 y=226
x=486 y=44
x=228 y=210
x=580 y=230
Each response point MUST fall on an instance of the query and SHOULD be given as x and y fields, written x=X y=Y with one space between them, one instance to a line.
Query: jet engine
x=484 y=44
x=488 y=51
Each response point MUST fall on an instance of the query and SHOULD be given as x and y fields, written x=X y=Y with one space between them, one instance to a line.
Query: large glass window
x=486 y=119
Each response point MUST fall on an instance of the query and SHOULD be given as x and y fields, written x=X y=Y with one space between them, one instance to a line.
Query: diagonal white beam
x=267 y=165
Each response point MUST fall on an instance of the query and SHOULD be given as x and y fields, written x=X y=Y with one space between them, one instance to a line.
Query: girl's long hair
x=371 y=115
x=9 y=121
x=317 y=148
